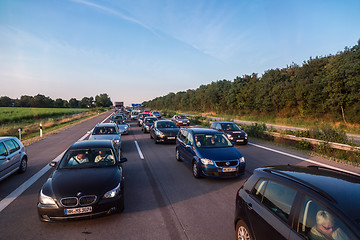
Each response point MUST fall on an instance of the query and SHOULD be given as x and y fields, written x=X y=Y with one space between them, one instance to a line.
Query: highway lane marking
x=139 y=150
x=23 y=187
x=303 y=159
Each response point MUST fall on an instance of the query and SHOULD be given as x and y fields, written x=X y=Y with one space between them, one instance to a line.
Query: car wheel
x=177 y=155
x=196 y=170
x=156 y=141
x=242 y=231
x=23 y=165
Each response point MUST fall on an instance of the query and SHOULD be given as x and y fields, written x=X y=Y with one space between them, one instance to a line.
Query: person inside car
x=103 y=156
x=324 y=228
x=78 y=159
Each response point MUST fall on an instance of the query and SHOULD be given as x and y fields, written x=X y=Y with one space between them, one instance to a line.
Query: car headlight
x=242 y=159
x=116 y=141
x=46 y=200
x=246 y=135
x=206 y=161
x=159 y=133
x=229 y=136
x=112 y=193
x=126 y=128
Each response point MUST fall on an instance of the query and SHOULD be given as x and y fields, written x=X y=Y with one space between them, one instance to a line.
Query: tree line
x=41 y=101
x=323 y=87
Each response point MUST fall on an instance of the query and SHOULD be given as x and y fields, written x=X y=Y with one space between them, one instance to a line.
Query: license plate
x=80 y=210
x=233 y=169
x=171 y=137
x=240 y=140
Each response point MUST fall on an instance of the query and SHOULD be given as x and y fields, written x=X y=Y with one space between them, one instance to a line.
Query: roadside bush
x=257 y=130
x=304 y=145
x=329 y=134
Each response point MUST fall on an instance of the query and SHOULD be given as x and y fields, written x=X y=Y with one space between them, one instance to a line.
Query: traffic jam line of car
x=278 y=202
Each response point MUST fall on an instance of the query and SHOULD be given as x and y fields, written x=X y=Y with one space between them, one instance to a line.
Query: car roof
x=222 y=122
x=105 y=125
x=3 y=138
x=340 y=188
x=196 y=130
x=92 y=144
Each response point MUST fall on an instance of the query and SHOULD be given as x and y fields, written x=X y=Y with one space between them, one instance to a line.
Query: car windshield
x=155 y=112
x=120 y=122
x=149 y=120
x=104 y=130
x=117 y=117
x=181 y=117
x=166 y=125
x=211 y=141
x=230 y=127
x=88 y=158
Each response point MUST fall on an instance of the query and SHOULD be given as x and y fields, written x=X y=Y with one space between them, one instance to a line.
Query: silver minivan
x=13 y=157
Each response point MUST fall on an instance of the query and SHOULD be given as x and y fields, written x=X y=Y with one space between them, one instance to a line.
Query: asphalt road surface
x=162 y=198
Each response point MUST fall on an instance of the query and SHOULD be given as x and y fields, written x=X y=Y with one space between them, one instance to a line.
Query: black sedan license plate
x=171 y=137
x=80 y=210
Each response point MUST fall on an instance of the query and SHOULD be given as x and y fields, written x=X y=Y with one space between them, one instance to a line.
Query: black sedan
x=234 y=133
x=164 y=131
x=88 y=181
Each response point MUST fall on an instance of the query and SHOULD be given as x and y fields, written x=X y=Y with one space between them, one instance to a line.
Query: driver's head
x=102 y=153
x=81 y=155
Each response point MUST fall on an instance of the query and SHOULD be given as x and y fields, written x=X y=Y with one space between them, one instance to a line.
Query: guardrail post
x=20 y=129
x=41 y=130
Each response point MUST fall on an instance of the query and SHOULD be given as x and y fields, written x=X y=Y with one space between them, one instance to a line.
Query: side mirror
x=122 y=160
x=188 y=145
x=53 y=164
x=89 y=132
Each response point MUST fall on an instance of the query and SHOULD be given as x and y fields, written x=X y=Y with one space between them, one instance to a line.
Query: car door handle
x=249 y=206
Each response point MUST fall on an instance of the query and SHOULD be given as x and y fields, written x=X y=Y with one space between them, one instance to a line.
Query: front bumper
x=48 y=213
x=220 y=172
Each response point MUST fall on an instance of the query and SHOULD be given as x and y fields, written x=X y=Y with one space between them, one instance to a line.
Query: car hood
x=88 y=181
x=123 y=127
x=105 y=137
x=219 y=154
x=169 y=131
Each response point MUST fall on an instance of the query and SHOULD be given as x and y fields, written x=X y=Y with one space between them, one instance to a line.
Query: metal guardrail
x=339 y=146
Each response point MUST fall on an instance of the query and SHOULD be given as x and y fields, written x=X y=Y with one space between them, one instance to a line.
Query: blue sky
x=136 y=50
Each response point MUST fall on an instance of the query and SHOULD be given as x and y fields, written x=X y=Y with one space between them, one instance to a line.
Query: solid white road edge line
x=22 y=188
x=303 y=159
x=139 y=150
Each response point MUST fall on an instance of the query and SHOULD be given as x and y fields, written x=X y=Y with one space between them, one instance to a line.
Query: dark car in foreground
x=293 y=202
x=209 y=153
x=147 y=123
x=232 y=131
x=88 y=181
x=164 y=131
x=181 y=120
x=13 y=157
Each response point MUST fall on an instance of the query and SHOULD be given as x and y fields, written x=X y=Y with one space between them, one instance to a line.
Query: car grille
x=69 y=202
x=74 y=201
x=223 y=163
x=87 y=200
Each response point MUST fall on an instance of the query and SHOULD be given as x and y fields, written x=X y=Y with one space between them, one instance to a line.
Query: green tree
x=103 y=100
